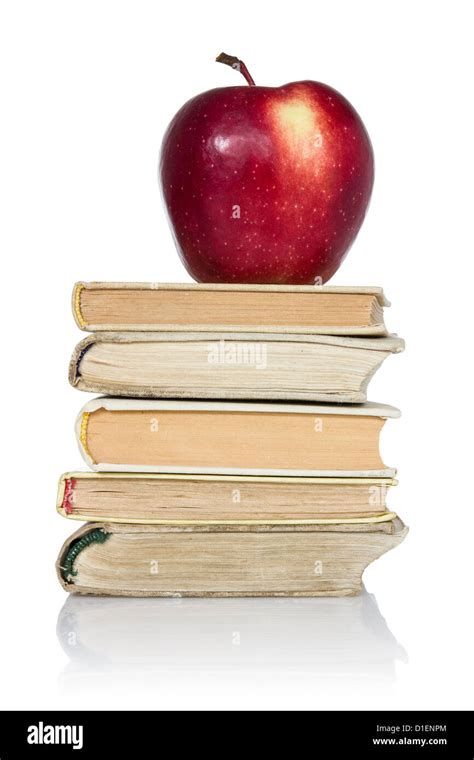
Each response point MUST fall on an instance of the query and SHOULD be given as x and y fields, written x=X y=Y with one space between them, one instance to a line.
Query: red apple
x=266 y=184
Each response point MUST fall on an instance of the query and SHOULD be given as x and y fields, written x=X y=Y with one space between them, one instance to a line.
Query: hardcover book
x=224 y=560
x=233 y=438
x=213 y=365
x=325 y=310
x=197 y=499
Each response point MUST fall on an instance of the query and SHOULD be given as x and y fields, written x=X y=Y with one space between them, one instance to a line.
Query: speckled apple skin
x=266 y=185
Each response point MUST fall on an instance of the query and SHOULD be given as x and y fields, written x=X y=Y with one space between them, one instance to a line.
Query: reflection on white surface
x=119 y=643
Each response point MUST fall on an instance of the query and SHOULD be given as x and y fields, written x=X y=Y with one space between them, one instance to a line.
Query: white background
x=86 y=91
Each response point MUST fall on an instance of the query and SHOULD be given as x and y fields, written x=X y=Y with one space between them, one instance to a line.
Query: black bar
x=321 y=734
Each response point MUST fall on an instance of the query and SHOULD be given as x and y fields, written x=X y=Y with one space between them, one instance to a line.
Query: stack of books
x=233 y=452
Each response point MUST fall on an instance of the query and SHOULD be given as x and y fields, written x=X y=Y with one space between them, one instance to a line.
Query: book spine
x=76 y=305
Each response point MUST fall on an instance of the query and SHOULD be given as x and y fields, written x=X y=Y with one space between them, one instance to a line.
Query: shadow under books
x=113 y=641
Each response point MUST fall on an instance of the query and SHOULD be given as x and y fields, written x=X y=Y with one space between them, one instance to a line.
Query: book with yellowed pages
x=233 y=452
x=236 y=438
x=226 y=365
x=225 y=560
x=158 y=498
x=324 y=310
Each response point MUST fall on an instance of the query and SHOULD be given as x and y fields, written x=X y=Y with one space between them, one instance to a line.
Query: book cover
x=224 y=560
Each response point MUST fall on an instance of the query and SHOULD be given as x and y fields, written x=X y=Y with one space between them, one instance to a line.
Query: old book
x=198 y=499
x=284 y=366
x=233 y=438
x=224 y=560
x=328 y=310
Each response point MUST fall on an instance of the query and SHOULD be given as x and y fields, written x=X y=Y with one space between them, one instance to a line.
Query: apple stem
x=236 y=64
